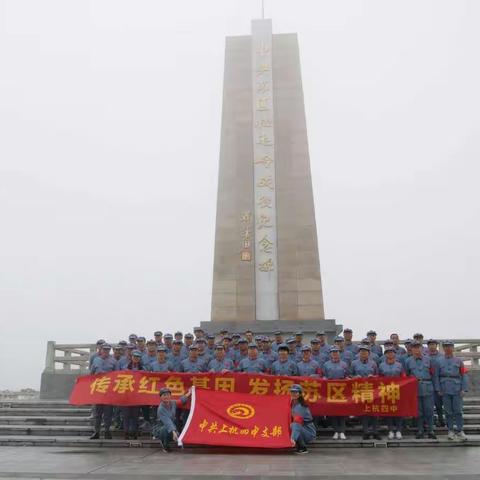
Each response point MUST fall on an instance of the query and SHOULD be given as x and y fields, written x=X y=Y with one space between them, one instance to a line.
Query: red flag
x=238 y=420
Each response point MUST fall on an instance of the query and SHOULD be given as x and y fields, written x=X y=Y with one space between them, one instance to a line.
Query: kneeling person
x=166 y=429
x=303 y=429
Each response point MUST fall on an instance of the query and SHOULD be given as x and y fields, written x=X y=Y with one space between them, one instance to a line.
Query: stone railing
x=73 y=358
x=63 y=358
x=468 y=350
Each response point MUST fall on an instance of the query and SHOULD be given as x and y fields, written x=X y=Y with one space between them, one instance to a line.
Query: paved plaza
x=131 y=463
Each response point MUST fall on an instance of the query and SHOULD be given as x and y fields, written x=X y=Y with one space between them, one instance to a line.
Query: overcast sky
x=109 y=142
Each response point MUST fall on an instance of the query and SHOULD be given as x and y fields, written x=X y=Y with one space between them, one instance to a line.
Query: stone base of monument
x=57 y=384
x=268 y=327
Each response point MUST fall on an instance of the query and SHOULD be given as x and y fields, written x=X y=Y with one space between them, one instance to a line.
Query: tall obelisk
x=266 y=267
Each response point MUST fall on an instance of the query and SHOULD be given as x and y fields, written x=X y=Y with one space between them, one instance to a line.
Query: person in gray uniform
x=162 y=363
x=166 y=428
x=435 y=355
x=308 y=367
x=220 y=363
x=391 y=367
x=302 y=427
x=349 y=345
x=253 y=363
x=104 y=363
x=424 y=369
x=336 y=369
x=453 y=386
x=284 y=365
x=192 y=364
x=364 y=367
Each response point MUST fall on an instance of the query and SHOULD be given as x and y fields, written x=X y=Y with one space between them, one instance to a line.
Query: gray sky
x=109 y=140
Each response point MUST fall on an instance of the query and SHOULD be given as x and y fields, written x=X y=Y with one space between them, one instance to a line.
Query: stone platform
x=268 y=327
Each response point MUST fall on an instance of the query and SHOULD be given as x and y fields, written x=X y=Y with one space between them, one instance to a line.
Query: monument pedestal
x=268 y=327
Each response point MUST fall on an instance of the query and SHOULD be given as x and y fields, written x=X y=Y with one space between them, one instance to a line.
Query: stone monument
x=266 y=266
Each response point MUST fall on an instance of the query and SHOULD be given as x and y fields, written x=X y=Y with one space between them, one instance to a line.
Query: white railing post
x=50 y=357
x=474 y=349
x=68 y=356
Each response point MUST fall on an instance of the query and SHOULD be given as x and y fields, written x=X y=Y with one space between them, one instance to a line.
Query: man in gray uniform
x=252 y=364
x=349 y=345
x=103 y=364
x=150 y=356
x=284 y=365
x=435 y=356
x=220 y=363
x=175 y=356
x=192 y=364
x=453 y=386
x=424 y=369
x=95 y=354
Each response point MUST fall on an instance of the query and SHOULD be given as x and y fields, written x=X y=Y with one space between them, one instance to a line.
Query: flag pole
x=189 y=419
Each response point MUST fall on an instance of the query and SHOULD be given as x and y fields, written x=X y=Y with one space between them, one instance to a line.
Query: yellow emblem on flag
x=241 y=411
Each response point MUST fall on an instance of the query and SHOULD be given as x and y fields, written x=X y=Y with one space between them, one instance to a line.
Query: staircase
x=56 y=423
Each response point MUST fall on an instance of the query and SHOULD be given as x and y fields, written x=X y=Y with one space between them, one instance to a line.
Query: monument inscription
x=266 y=264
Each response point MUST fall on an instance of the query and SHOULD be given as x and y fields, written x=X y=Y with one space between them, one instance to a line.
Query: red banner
x=237 y=420
x=379 y=396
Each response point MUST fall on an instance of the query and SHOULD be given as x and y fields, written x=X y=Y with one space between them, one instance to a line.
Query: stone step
x=86 y=421
x=43 y=420
x=75 y=441
x=86 y=430
x=46 y=430
x=469 y=400
x=471 y=405
x=357 y=430
x=471 y=409
x=62 y=412
x=41 y=404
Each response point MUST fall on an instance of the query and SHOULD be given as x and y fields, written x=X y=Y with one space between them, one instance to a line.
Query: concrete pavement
x=130 y=463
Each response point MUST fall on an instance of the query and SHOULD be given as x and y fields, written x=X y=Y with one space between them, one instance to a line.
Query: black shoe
x=301 y=450
x=95 y=436
x=376 y=436
x=418 y=436
x=127 y=436
x=366 y=436
x=108 y=436
x=432 y=436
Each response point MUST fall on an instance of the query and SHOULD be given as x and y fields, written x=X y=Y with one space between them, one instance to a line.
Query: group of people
x=442 y=379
